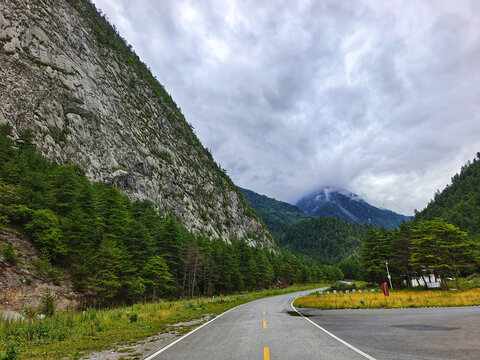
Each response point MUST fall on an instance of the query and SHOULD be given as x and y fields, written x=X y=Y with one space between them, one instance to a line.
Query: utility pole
x=388 y=275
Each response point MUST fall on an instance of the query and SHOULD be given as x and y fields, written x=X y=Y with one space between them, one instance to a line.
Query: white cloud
x=379 y=97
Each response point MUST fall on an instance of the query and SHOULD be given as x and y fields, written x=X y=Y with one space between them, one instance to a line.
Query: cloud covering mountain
x=378 y=97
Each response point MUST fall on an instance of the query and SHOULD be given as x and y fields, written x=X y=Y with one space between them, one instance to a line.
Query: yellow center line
x=266 y=353
x=264 y=313
x=264 y=306
x=264 y=324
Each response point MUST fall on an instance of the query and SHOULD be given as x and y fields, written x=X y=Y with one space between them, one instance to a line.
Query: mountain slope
x=459 y=202
x=66 y=74
x=344 y=205
x=277 y=215
x=327 y=240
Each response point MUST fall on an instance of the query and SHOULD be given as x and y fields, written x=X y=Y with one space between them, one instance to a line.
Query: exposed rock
x=90 y=105
x=23 y=285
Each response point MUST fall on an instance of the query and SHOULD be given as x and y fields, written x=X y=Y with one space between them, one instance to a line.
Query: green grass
x=470 y=282
x=397 y=299
x=71 y=335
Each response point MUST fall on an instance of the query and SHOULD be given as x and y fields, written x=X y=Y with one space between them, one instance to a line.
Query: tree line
x=328 y=240
x=417 y=250
x=118 y=250
x=459 y=202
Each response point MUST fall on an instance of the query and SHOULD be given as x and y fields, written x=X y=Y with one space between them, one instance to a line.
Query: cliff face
x=67 y=75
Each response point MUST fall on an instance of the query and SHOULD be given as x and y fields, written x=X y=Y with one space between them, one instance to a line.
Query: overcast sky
x=378 y=97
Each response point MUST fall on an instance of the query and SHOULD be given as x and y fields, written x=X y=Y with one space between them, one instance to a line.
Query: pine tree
x=46 y=234
x=376 y=250
x=157 y=276
x=108 y=265
x=171 y=246
x=441 y=246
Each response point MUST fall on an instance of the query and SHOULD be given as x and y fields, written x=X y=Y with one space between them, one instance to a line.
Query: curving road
x=270 y=329
x=407 y=334
x=263 y=329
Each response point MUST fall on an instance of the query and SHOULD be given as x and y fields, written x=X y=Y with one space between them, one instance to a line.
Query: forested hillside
x=459 y=202
x=93 y=102
x=443 y=239
x=119 y=250
x=328 y=240
x=347 y=206
x=277 y=215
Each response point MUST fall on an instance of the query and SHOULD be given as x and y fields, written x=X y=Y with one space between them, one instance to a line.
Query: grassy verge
x=73 y=334
x=397 y=299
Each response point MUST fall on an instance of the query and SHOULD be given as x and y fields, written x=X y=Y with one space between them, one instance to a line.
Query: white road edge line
x=333 y=336
x=150 y=357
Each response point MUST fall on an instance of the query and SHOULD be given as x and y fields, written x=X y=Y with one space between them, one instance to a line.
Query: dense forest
x=119 y=250
x=325 y=240
x=443 y=239
x=277 y=215
x=328 y=240
x=415 y=250
x=459 y=202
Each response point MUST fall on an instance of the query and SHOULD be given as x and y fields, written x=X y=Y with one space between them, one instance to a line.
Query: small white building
x=432 y=281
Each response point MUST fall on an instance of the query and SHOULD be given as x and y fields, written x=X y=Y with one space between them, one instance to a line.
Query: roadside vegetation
x=120 y=251
x=397 y=299
x=72 y=335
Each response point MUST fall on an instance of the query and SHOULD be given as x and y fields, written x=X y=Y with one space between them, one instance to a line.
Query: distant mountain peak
x=330 y=201
x=325 y=193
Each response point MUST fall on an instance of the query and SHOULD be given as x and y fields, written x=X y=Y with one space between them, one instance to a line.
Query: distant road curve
x=263 y=329
x=272 y=329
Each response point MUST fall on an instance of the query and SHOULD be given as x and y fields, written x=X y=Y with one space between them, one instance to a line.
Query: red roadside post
x=385 y=289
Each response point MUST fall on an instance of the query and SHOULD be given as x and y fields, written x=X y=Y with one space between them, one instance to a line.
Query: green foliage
x=165 y=156
x=415 y=250
x=47 y=305
x=124 y=251
x=156 y=274
x=325 y=240
x=328 y=240
x=46 y=234
x=11 y=352
x=277 y=215
x=19 y=214
x=342 y=286
x=350 y=267
x=108 y=265
x=10 y=256
x=376 y=250
x=133 y=317
x=73 y=334
x=441 y=246
x=459 y=202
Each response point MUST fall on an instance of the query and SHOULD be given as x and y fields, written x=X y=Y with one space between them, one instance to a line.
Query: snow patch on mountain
x=330 y=201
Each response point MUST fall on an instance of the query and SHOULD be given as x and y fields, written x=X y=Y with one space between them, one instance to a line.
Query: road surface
x=269 y=329
x=407 y=334
x=263 y=329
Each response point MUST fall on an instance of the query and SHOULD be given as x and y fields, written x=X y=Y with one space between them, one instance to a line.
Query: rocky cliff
x=66 y=74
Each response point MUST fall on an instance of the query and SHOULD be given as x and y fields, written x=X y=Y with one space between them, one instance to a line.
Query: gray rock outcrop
x=67 y=75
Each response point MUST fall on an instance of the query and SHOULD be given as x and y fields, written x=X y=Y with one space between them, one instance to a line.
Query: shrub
x=133 y=317
x=342 y=286
x=19 y=214
x=10 y=256
x=47 y=306
x=11 y=352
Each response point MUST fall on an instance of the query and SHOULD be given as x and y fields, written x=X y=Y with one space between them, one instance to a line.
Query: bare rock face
x=22 y=285
x=66 y=74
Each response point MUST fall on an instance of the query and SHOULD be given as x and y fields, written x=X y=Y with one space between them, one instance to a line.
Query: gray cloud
x=377 y=97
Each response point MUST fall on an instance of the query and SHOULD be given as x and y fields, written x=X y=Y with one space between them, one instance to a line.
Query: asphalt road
x=406 y=334
x=262 y=329
x=270 y=329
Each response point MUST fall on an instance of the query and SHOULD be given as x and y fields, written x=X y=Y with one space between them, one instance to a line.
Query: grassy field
x=397 y=299
x=71 y=335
